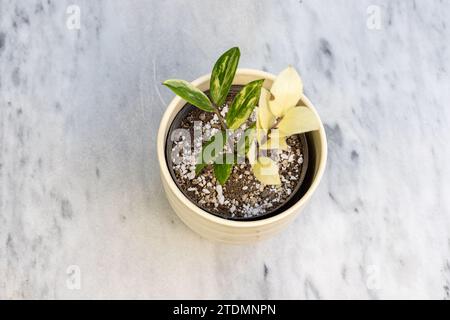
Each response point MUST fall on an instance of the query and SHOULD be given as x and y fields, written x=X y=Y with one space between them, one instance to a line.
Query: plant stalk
x=276 y=123
x=270 y=130
x=221 y=119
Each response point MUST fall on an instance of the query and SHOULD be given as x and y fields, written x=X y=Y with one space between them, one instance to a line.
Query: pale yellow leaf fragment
x=252 y=153
x=286 y=91
x=265 y=118
x=266 y=171
x=275 y=143
x=298 y=120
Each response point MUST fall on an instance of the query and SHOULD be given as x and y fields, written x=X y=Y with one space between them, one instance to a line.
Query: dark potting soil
x=243 y=196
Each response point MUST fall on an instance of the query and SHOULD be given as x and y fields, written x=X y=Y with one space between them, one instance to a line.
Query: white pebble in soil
x=220 y=196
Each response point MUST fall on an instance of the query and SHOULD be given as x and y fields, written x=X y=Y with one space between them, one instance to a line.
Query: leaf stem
x=276 y=123
x=221 y=119
x=270 y=130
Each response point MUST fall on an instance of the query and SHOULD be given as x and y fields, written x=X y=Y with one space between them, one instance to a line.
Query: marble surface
x=82 y=210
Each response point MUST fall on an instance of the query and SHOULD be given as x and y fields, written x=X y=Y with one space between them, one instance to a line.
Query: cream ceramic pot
x=220 y=229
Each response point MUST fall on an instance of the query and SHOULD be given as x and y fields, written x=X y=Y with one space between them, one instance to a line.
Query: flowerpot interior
x=306 y=175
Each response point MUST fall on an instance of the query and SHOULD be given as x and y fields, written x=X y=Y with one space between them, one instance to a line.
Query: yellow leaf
x=298 y=120
x=266 y=171
x=265 y=118
x=286 y=91
x=260 y=133
x=252 y=153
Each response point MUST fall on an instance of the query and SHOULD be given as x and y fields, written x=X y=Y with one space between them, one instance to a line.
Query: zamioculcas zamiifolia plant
x=240 y=109
x=277 y=117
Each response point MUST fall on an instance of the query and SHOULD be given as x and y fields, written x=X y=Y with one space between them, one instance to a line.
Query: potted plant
x=240 y=151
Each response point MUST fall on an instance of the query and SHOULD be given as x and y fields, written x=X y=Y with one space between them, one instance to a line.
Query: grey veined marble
x=82 y=210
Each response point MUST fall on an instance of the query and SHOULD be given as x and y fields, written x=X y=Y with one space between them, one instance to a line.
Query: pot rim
x=164 y=128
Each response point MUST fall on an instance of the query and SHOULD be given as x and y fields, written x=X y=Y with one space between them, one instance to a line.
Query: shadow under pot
x=242 y=197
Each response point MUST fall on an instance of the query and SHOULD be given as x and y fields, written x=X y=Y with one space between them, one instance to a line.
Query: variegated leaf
x=190 y=93
x=243 y=104
x=223 y=74
x=248 y=137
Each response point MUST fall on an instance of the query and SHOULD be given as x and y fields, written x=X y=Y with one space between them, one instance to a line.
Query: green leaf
x=199 y=167
x=250 y=134
x=223 y=74
x=189 y=93
x=210 y=151
x=223 y=171
x=243 y=104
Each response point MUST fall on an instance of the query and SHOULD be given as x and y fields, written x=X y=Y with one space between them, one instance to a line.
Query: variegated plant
x=214 y=151
x=278 y=117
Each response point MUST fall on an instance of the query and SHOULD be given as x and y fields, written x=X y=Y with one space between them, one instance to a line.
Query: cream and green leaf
x=243 y=104
x=190 y=93
x=223 y=74
x=244 y=142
